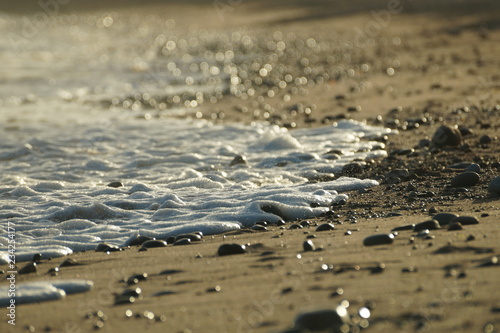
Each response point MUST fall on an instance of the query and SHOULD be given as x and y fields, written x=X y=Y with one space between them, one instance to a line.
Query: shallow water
x=70 y=127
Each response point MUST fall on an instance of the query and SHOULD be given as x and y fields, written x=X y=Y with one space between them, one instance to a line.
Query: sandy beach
x=418 y=67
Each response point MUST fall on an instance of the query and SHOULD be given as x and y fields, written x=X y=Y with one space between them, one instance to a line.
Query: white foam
x=42 y=291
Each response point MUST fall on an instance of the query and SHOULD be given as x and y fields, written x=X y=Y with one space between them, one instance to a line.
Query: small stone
x=139 y=240
x=115 y=184
x=192 y=237
x=324 y=320
x=295 y=226
x=325 y=227
x=215 y=289
x=153 y=244
x=69 y=262
x=470 y=238
x=305 y=223
x=54 y=271
x=308 y=245
x=485 y=139
x=258 y=227
x=230 y=249
x=238 y=159
x=466 y=179
x=430 y=225
x=379 y=239
x=404 y=227
x=37 y=257
x=447 y=136
x=136 y=278
x=182 y=241
x=444 y=218
x=453 y=226
x=494 y=186
x=105 y=247
x=474 y=168
x=29 y=268
x=465 y=220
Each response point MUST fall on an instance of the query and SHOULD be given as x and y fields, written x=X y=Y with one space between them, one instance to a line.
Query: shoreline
x=443 y=73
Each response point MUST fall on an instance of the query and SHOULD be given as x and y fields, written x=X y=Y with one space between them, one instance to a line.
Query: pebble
x=466 y=179
x=447 y=136
x=404 y=227
x=258 y=227
x=192 y=237
x=69 y=262
x=139 y=240
x=296 y=226
x=153 y=243
x=323 y=320
x=182 y=241
x=474 y=168
x=53 y=271
x=453 y=226
x=379 y=239
x=325 y=227
x=494 y=186
x=485 y=139
x=29 y=268
x=115 y=184
x=136 y=278
x=430 y=225
x=105 y=247
x=238 y=159
x=444 y=218
x=352 y=169
x=465 y=220
x=309 y=245
x=37 y=257
x=230 y=249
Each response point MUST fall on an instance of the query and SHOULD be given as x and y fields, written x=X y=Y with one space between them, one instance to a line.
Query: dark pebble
x=37 y=257
x=258 y=227
x=238 y=159
x=139 y=240
x=192 y=237
x=474 y=168
x=378 y=239
x=470 y=238
x=453 y=226
x=136 y=278
x=170 y=271
x=230 y=249
x=136 y=292
x=393 y=214
x=323 y=320
x=485 y=139
x=54 y=271
x=69 y=262
x=105 y=247
x=115 y=184
x=466 y=179
x=325 y=227
x=447 y=136
x=29 y=268
x=308 y=245
x=215 y=289
x=444 y=218
x=430 y=225
x=493 y=261
x=296 y=226
x=378 y=269
x=153 y=243
x=465 y=220
x=305 y=223
x=182 y=241
x=494 y=186
x=404 y=227
x=409 y=270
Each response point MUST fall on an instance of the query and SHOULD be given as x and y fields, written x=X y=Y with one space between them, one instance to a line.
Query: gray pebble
x=494 y=186
x=308 y=245
x=453 y=226
x=323 y=320
x=465 y=220
x=153 y=243
x=230 y=249
x=430 y=225
x=325 y=227
x=182 y=241
x=29 y=268
x=404 y=227
x=105 y=247
x=466 y=179
x=378 y=239
x=474 y=168
x=192 y=237
x=444 y=218
x=447 y=136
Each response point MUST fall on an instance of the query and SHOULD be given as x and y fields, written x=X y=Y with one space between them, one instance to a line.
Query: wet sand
x=441 y=63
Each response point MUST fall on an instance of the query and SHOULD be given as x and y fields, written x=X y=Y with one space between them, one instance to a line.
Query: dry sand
x=447 y=60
